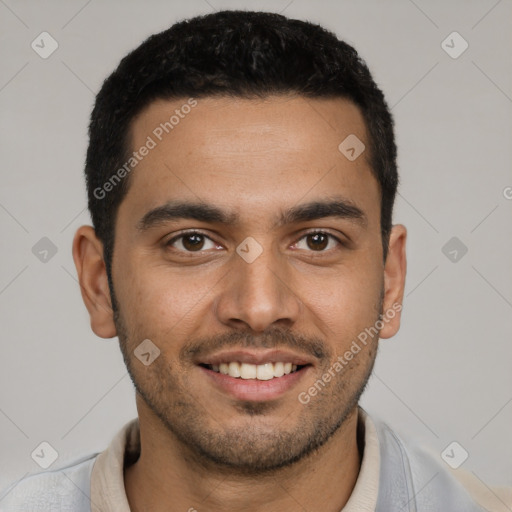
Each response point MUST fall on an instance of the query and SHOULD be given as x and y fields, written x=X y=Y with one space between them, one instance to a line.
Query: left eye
x=318 y=241
x=191 y=242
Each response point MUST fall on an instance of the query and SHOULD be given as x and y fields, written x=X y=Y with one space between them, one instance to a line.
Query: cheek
x=158 y=302
x=344 y=305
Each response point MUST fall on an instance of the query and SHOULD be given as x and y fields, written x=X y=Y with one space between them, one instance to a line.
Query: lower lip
x=253 y=389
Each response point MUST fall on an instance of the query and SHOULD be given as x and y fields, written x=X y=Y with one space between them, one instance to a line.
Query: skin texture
x=255 y=158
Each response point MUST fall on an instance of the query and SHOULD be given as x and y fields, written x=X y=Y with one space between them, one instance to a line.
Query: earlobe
x=395 y=270
x=92 y=276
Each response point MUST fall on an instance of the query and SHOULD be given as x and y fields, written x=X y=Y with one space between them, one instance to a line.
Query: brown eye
x=317 y=241
x=191 y=242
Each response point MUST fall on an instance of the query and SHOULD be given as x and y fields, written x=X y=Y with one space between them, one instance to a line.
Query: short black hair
x=233 y=53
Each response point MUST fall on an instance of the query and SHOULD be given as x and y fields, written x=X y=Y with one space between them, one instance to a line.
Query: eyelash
x=184 y=234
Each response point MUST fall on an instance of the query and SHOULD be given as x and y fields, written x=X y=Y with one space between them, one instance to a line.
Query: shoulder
x=66 y=489
x=414 y=478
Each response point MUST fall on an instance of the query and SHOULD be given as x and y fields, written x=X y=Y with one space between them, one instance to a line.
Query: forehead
x=251 y=153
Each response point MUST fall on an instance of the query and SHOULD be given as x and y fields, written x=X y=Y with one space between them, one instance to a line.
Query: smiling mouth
x=246 y=371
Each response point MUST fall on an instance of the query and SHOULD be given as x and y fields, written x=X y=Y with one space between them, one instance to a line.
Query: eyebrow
x=174 y=210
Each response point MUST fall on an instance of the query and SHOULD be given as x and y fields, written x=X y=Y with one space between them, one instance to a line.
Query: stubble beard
x=254 y=447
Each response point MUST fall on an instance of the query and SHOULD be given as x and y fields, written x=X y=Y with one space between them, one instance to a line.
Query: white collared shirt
x=107 y=480
x=390 y=470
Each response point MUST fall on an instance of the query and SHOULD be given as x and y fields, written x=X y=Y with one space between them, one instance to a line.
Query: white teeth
x=278 y=369
x=248 y=371
x=265 y=371
x=234 y=369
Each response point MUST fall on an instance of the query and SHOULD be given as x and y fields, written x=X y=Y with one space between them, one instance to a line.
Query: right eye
x=191 y=241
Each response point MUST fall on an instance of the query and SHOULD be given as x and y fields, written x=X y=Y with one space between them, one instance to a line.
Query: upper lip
x=256 y=357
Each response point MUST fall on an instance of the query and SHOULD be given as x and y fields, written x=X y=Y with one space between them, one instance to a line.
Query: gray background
x=446 y=376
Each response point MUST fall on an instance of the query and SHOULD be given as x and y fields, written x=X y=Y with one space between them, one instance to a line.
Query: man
x=241 y=175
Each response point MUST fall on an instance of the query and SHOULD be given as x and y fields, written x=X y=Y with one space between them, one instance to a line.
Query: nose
x=259 y=294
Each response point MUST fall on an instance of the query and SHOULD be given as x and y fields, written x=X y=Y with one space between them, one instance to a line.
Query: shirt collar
x=108 y=493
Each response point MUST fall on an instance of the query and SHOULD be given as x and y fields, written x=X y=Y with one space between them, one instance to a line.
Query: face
x=248 y=238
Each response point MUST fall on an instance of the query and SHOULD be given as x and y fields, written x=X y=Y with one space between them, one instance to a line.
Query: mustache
x=274 y=338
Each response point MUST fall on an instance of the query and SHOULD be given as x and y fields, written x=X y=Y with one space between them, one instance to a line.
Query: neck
x=167 y=473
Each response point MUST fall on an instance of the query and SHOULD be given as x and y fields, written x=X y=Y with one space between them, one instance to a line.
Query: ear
x=92 y=276
x=394 y=281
